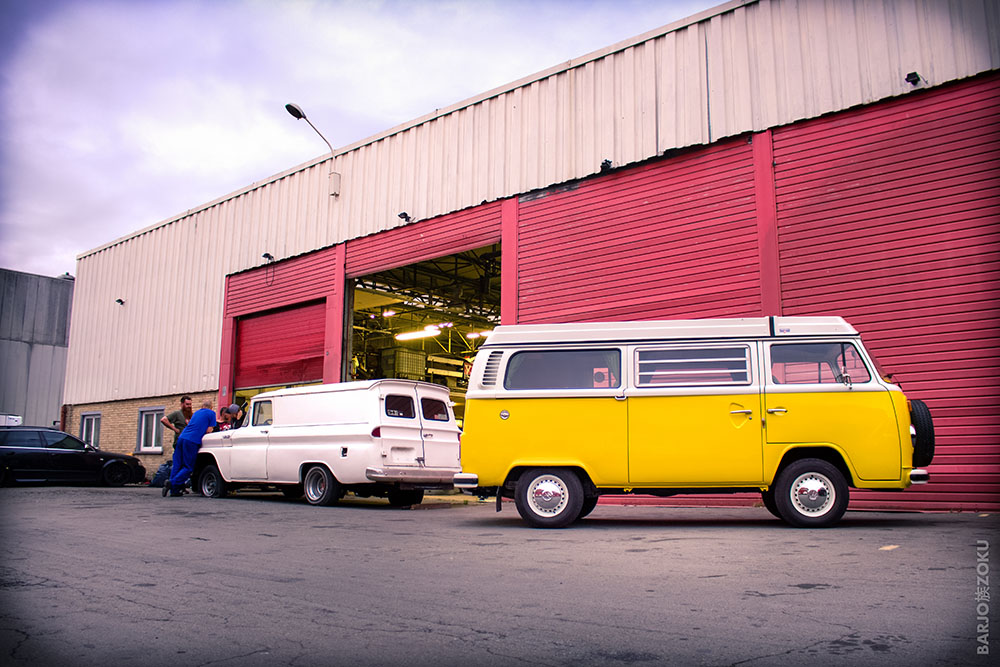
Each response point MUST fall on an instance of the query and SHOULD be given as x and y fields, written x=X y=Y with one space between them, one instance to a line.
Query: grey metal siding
x=34 y=325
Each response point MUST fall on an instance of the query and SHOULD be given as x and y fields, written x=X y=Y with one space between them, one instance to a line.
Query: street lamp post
x=296 y=112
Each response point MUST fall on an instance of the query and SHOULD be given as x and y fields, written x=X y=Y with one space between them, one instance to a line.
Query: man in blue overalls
x=187 y=446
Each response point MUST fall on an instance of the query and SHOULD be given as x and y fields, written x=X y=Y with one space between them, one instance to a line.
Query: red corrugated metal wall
x=671 y=239
x=280 y=347
x=445 y=235
x=889 y=215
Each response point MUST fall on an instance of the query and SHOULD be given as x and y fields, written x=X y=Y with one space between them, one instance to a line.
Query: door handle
x=776 y=411
x=264 y=431
x=620 y=398
x=428 y=435
x=748 y=413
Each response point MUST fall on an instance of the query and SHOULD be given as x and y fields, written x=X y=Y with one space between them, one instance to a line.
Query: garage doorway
x=425 y=321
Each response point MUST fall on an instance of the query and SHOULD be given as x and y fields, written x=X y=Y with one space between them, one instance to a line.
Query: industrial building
x=765 y=157
x=34 y=335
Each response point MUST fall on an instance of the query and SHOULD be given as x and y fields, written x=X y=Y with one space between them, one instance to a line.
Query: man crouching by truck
x=186 y=448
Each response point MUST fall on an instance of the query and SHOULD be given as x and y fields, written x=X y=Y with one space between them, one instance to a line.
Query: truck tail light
x=377 y=432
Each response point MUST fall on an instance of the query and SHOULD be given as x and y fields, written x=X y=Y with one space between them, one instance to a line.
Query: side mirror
x=846 y=379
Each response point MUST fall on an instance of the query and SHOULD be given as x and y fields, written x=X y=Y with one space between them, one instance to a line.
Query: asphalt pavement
x=98 y=576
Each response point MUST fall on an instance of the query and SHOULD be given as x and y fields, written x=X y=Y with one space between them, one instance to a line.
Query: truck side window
x=400 y=406
x=262 y=413
x=817 y=363
x=564 y=369
x=434 y=410
x=693 y=366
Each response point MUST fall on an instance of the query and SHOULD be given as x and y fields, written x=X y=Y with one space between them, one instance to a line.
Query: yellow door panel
x=860 y=422
x=679 y=440
x=589 y=432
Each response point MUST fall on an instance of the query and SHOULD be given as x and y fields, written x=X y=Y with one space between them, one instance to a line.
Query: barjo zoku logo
x=983 y=597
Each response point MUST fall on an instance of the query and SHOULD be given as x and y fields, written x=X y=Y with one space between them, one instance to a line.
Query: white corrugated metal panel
x=745 y=65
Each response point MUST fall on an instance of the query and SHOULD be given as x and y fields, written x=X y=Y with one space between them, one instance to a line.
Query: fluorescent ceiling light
x=429 y=332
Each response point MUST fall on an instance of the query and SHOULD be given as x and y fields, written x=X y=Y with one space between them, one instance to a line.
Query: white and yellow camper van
x=792 y=407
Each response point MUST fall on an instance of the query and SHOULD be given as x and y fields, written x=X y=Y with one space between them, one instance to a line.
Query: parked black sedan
x=39 y=454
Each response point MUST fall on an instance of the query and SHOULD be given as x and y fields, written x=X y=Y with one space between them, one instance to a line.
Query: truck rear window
x=434 y=410
x=400 y=406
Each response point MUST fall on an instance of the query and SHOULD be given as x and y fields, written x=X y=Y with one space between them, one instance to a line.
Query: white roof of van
x=747 y=327
x=359 y=385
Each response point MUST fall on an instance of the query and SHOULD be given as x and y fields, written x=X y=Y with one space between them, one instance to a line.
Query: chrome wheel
x=810 y=493
x=320 y=486
x=813 y=494
x=549 y=497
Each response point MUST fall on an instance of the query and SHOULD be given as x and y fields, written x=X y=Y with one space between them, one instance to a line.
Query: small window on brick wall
x=150 y=437
x=90 y=429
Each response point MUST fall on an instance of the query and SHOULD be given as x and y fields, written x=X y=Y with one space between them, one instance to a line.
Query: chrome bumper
x=919 y=476
x=436 y=476
x=466 y=480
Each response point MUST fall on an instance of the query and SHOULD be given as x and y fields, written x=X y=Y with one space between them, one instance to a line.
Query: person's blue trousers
x=185 y=453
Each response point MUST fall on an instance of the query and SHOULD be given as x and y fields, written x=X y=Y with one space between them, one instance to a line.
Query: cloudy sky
x=117 y=114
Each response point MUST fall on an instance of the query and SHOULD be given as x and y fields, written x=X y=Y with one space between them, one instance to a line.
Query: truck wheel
x=589 y=503
x=549 y=497
x=767 y=497
x=811 y=493
x=210 y=482
x=321 y=487
x=923 y=444
x=401 y=498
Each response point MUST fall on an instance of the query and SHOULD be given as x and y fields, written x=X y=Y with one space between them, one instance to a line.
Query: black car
x=40 y=454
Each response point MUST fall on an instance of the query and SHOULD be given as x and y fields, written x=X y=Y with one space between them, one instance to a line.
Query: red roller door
x=890 y=217
x=671 y=239
x=280 y=347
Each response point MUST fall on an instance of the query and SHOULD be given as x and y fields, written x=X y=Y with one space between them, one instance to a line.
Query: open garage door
x=424 y=321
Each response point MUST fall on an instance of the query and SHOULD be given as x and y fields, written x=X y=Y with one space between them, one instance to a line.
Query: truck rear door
x=402 y=444
x=440 y=432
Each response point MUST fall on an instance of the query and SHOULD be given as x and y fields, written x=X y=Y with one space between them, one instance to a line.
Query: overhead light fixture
x=298 y=114
x=472 y=335
x=388 y=313
x=429 y=332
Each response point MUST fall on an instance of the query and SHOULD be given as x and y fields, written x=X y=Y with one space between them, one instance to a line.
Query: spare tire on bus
x=923 y=441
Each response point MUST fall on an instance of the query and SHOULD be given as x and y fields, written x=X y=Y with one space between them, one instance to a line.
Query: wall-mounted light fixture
x=405 y=217
x=120 y=302
x=913 y=78
x=268 y=257
x=606 y=165
x=297 y=113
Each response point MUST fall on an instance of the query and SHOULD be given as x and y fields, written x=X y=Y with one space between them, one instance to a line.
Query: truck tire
x=549 y=497
x=923 y=443
x=811 y=493
x=408 y=498
x=321 y=487
x=210 y=482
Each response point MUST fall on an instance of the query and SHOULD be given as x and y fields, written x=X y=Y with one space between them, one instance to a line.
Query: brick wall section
x=120 y=424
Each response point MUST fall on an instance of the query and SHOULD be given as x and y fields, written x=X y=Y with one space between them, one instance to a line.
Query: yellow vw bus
x=792 y=407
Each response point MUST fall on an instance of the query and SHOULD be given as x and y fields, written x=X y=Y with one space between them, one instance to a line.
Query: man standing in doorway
x=178 y=420
x=187 y=446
